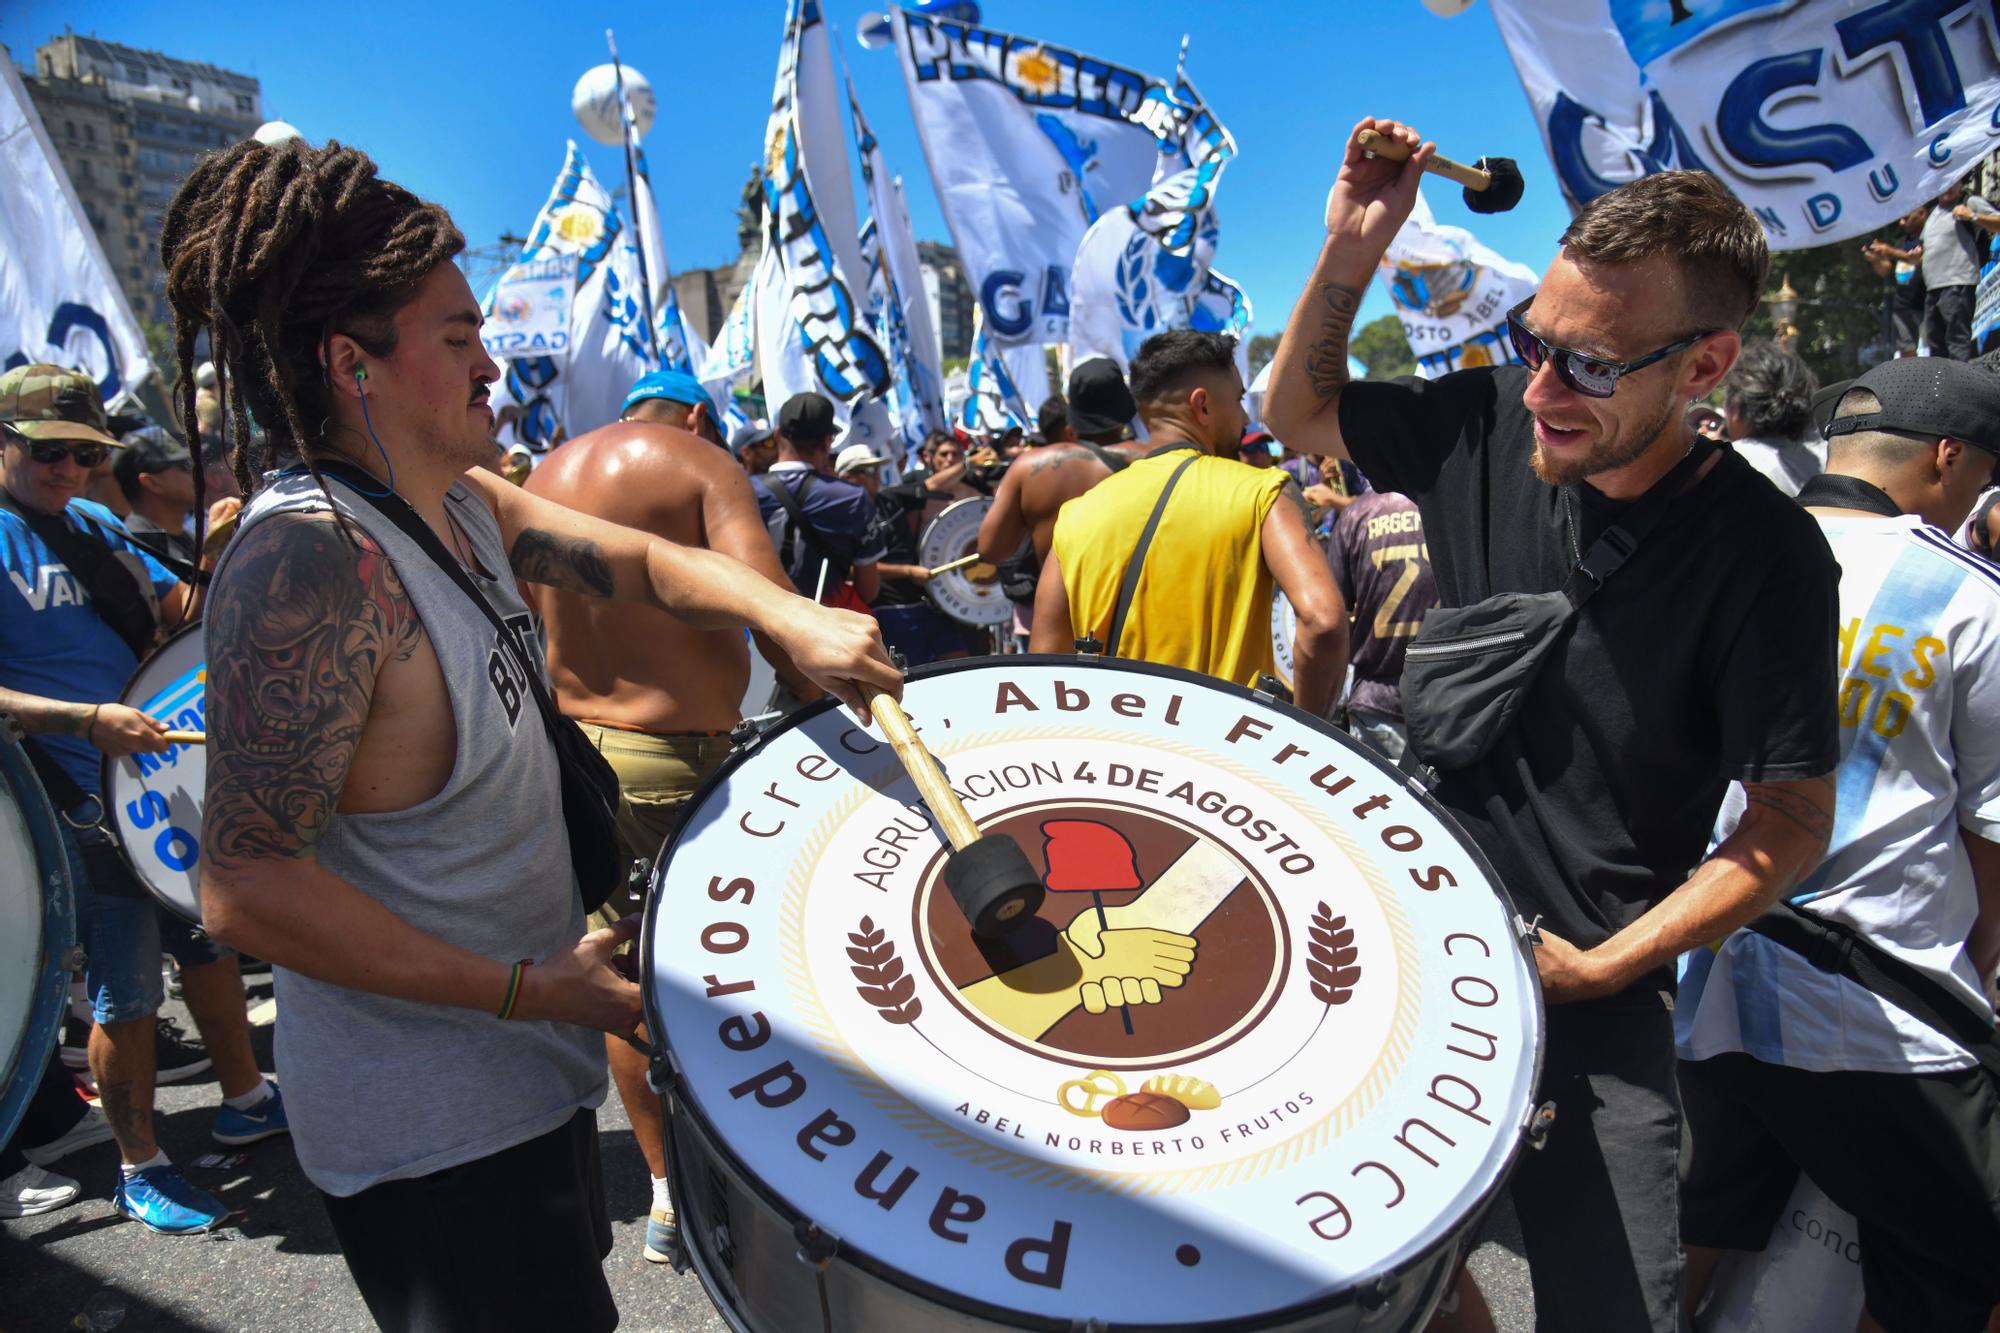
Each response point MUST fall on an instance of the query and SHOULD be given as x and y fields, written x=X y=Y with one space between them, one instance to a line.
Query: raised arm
x=1371 y=197
x=1782 y=837
x=546 y=543
x=298 y=634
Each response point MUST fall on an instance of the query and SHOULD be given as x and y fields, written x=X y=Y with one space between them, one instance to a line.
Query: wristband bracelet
x=513 y=990
x=91 y=725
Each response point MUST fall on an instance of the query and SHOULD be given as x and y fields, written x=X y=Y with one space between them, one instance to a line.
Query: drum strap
x=1130 y=586
x=113 y=588
x=801 y=526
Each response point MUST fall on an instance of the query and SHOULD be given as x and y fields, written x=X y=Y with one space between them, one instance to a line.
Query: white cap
x=853 y=458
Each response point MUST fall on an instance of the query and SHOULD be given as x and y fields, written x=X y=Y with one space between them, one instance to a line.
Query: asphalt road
x=276 y=1266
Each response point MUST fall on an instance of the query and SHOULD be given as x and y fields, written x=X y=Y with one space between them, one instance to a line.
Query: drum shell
x=745 y=1238
x=952 y=534
x=153 y=807
x=41 y=989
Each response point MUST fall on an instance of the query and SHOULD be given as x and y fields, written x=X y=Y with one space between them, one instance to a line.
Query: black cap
x=807 y=418
x=148 y=449
x=1099 y=402
x=1922 y=395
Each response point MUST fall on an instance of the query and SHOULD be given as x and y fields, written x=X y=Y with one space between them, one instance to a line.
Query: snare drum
x=1261 y=1060
x=153 y=801
x=971 y=595
x=37 y=934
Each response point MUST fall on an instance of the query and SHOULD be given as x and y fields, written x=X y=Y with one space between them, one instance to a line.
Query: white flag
x=812 y=330
x=561 y=397
x=1452 y=294
x=1028 y=144
x=731 y=361
x=59 y=303
x=1829 y=118
x=993 y=403
x=680 y=347
x=897 y=307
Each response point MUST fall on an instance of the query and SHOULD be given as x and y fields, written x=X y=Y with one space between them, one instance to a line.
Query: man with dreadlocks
x=382 y=811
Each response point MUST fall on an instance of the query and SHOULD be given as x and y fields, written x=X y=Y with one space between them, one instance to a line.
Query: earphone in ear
x=360 y=373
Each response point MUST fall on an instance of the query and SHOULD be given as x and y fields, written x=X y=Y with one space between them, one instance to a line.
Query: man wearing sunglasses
x=78 y=606
x=1706 y=656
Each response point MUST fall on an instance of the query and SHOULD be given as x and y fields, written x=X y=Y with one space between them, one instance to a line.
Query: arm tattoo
x=1293 y=496
x=574 y=564
x=298 y=630
x=1326 y=358
x=47 y=717
x=1809 y=809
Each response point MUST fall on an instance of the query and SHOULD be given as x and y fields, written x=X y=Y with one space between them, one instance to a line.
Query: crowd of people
x=1704 y=656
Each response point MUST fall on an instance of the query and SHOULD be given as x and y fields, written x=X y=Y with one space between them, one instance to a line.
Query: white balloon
x=1445 y=9
x=595 y=102
x=276 y=131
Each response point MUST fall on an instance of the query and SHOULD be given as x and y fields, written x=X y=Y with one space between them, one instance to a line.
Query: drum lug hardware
x=1531 y=931
x=1379 y=1293
x=1270 y=689
x=1090 y=646
x=1537 y=1132
x=744 y=736
x=662 y=1070
x=816 y=1248
x=74 y=960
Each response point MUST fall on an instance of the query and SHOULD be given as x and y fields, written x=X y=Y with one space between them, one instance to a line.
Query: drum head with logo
x=970 y=595
x=154 y=800
x=37 y=934
x=1284 y=633
x=1274 y=1032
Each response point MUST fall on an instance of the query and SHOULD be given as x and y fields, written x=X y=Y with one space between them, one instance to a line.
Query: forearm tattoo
x=1809 y=806
x=298 y=631
x=1326 y=357
x=574 y=564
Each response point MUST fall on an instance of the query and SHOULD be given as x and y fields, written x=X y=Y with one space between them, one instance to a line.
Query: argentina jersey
x=1919 y=705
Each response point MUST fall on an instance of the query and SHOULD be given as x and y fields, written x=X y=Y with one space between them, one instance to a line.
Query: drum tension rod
x=1090 y=646
x=1539 y=1124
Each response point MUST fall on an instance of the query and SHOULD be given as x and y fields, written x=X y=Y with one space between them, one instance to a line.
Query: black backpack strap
x=112 y=586
x=1617 y=543
x=793 y=503
x=1130 y=585
x=1835 y=947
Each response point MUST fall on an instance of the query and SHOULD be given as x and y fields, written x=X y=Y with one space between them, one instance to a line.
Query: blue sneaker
x=167 y=1201
x=265 y=1120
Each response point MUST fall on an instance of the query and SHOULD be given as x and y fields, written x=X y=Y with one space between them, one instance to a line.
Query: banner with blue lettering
x=1452 y=294
x=1144 y=267
x=812 y=323
x=59 y=302
x=1829 y=118
x=897 y=306
x=1029 y=144
x=566 y=391
x=993 y=403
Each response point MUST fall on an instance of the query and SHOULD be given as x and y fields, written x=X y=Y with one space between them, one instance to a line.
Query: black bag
x=1468 y=670
x=802 y=547
x=589 y=783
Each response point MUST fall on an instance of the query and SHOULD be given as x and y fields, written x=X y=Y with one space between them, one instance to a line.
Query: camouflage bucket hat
x=50 y=403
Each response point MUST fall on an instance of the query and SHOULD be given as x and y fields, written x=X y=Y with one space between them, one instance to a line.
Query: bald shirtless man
x=656 y=695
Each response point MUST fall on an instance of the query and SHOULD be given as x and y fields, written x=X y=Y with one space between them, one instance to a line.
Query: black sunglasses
x=51 y=451
x=1591 y=376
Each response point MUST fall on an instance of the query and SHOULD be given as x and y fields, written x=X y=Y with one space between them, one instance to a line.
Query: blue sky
x=468 y=104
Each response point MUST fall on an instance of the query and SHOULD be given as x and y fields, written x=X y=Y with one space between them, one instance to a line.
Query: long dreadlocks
x=272 y=249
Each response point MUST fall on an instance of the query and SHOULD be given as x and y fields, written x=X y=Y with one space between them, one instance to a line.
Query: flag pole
x=632 y=195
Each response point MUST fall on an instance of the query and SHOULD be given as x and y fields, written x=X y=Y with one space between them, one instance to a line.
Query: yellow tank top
x=1204 y=597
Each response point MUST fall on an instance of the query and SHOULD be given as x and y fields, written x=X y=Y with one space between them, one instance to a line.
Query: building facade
x=950 y=298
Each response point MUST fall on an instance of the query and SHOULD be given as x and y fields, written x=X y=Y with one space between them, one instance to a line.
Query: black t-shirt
x=895 y=506
x=1708 y=657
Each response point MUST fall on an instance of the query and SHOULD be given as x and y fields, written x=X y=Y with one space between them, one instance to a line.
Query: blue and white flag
x=812 y=321
x=993 y=402
x=680 y=346
x=1028 y=144
x=59 y=300
x=898 y=309
x=731 y=362
x=560 y=397
x=1144 y=267
x=1452 y=294
x=1829 y=118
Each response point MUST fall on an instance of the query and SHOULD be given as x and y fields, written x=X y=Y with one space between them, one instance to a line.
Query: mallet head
x=1503 y=193
x=994 y=884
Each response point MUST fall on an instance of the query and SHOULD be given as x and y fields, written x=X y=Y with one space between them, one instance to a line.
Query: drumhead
x=37 y=934
x=1284 y=632
x=154 y=801
x=1334 y=1023
x=971 y=595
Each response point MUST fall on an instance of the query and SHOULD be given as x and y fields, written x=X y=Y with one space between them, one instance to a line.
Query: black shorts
x=1915 y=1158
x=512 y=1241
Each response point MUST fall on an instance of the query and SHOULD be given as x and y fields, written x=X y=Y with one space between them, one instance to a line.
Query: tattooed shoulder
x=574 y=564
x=300 y=625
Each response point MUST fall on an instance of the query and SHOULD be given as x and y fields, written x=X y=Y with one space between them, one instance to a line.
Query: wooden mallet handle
x=1395 y=150
x=187 y=738
x=924 y=772
x=959 y=563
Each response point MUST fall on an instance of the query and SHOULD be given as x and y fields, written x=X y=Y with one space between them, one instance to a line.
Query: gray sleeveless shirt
x=383 y=1089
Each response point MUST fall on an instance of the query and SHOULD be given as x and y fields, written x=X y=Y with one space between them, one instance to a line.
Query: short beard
x=1604 y=456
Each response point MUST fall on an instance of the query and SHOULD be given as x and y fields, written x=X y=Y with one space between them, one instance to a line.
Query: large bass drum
x=37 y=932
x=970 y=595
x=153 y=801
x=1260 y=1062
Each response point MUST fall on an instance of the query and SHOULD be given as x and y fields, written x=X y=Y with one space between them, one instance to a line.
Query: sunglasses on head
x=1591 y=376
x=51 y=451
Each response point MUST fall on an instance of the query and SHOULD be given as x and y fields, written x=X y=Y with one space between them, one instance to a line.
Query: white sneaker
x=93 y=1128
x=32 y=1190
